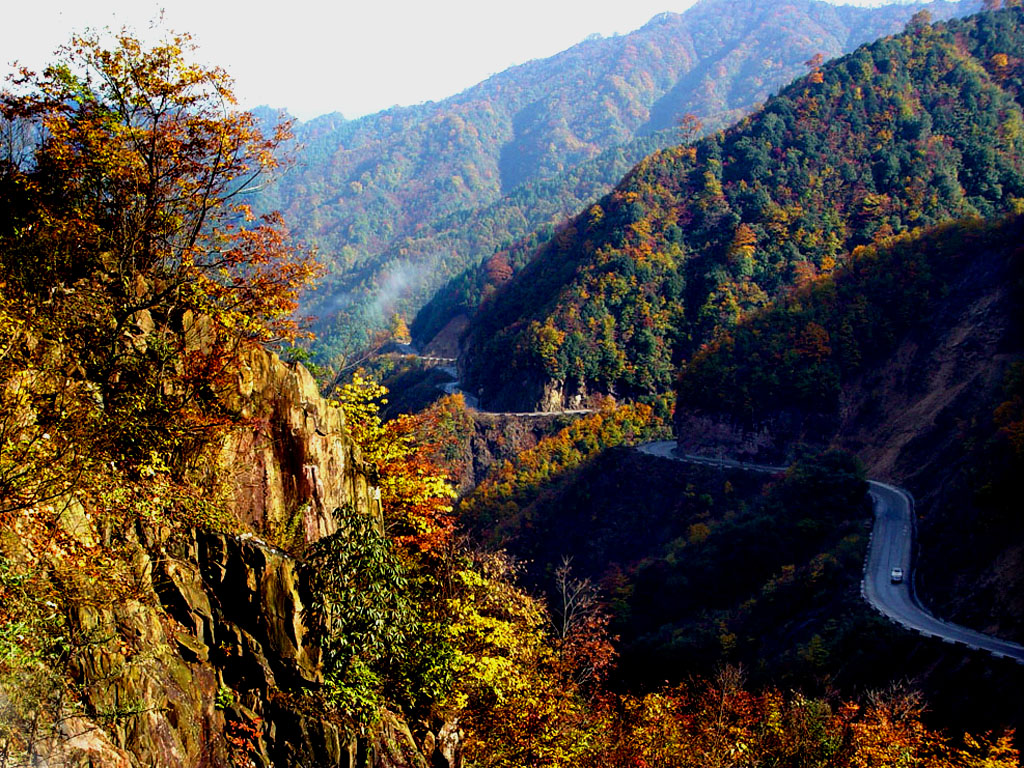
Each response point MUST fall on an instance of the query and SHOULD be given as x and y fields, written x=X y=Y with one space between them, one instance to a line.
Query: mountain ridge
x=906 y=132
x=372 y=192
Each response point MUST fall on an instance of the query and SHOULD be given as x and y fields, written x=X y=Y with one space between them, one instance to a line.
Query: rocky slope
x=202 y=655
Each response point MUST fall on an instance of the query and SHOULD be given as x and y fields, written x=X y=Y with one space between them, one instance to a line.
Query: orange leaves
x=498 y=269
x=253 y=280
x=721 y=724
x=814 y=342
x=815 y=61
x=415 y=492
x=145 y=153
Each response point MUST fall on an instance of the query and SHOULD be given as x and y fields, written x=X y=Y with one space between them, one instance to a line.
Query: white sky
x=353 y=57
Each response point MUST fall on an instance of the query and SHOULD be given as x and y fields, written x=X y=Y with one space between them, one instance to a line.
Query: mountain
x=400 y=201
x=904 y=133
x=911 y=356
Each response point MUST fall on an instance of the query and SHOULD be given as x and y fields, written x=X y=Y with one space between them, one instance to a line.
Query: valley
x=662 y=405
x=892 y=546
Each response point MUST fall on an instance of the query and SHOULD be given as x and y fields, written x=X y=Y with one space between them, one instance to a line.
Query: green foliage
x=703 y=567
x=225 y=697
x=405 y=200
x=370 y=629
x=34 y=648
x=904 y=133
x=799 y=353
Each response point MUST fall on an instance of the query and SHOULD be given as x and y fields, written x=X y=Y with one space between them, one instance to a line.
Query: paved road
x=473 y=403
x=892 y=540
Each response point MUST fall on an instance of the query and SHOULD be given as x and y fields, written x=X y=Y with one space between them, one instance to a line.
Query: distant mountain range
x=905 y=133
x=401 y=201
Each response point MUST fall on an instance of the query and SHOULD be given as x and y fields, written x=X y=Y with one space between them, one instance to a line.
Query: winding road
x=892 y=541
x=473 y=403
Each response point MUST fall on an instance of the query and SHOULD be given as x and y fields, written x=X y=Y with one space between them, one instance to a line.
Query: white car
x=896 y=576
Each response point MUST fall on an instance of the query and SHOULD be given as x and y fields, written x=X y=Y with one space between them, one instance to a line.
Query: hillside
x=400 y=201
x=905 y=132
x=911 y=357
x=908 y=358
x=204 y=562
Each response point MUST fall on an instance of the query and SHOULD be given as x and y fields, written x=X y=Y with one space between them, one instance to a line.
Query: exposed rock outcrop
x=208 y=660
x=531 y=392
x=290 y=461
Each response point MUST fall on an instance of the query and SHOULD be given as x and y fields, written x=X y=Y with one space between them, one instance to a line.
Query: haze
x=356 y=58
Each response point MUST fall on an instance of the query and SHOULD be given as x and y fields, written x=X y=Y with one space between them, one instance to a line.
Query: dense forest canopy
x=401 y=201
x=904 y=133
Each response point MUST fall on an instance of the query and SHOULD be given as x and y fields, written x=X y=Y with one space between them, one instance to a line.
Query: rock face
x=532 y=393
x=208 y=661
x=772 y=440
x=291 y=462
x=212 y=672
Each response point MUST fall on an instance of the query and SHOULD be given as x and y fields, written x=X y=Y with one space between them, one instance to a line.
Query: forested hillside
x=401 y=201
x=904 y=133
x=204 y=562
x=912 y=356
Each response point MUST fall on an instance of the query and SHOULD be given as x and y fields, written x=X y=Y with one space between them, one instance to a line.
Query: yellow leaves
x=1012 y=129
x=990 y=753
x=545 y=341
x=415 y=494
x=712 y=184
x=498 y=629
x=360 y=400
x=148 y=157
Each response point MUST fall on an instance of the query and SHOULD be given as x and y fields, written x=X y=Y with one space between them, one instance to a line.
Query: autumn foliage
x=130 y=274
x=130 y=162
x=502 y=498
x=877 y=143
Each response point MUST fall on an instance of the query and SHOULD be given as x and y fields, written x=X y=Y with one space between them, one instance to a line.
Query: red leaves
x=142 y=159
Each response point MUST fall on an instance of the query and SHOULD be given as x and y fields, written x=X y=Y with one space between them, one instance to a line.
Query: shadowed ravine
x=892 y=546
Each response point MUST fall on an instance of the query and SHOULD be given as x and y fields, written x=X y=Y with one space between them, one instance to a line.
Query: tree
x=361 y=612
x=399 y=330
x=690 y=127
x=415 y=493
x=125 y=248
x=131 y=162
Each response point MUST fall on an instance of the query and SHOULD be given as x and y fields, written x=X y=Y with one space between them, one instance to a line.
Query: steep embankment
x=911 y=358
x=407 y=198
x=190 y=646
x=906 y=132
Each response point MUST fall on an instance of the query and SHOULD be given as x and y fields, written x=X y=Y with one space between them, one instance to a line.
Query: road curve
x=892 y=541
x=473 y=403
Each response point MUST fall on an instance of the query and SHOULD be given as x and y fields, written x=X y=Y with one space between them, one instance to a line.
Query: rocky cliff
x=193 y=650
x=293 y=463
